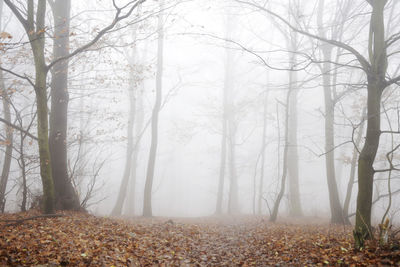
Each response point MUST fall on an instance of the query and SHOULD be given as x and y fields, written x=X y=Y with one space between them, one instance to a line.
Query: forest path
x=78 y=239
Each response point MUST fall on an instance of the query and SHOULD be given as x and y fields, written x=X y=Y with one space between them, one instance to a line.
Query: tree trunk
x=117 y=210
x=9 y=134
x=264 y=145
x=66 y=197
x=132 y=181
x=335 y=206
x=9 y=144
x=376 y=85
x=36 y=34
x=334 y=201
x=274 y=214
x=37 y=41
x=353 y=168
x=233 y=201
x=147 y=208
x=222 y=163
x=22 y=164
x=292 y=154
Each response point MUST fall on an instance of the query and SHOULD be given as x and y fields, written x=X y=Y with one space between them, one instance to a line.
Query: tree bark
x=66 y=197
x=37 y=41
x=376 y=85
x=147 y=204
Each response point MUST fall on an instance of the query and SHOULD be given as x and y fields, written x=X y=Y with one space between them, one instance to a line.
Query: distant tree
x=147 y=203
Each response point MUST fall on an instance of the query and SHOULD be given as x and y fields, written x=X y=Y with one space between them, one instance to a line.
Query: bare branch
x=18 y=128
x=364 y=62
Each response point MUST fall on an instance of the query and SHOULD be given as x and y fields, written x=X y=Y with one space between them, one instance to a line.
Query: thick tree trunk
x=66 y=197
x=147 y=207
x=376 y=85
x=366 y=161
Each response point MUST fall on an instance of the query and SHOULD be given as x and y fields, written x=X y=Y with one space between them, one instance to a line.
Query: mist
x=280 y=111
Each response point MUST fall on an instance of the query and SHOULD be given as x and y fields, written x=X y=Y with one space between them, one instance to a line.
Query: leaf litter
x=79 y=239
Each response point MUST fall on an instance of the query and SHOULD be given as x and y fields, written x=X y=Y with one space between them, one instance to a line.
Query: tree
x=147 y=207
x=131 y=149
x=34 y=25
x=275 y=209
x=65 y=195
x=9 y=134
x=375 y=68
x=330 y=101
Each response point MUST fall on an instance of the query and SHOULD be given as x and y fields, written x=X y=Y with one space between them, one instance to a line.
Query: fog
x=243 y=77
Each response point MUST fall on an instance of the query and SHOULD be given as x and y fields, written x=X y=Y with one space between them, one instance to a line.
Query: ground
x=78 y=239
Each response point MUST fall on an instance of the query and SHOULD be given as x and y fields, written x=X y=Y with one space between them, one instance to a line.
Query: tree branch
x=364 y=62
x=18 y=128
x=117 y=18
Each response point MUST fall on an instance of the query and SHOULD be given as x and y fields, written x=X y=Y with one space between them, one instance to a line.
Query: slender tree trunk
x=117 y=210
x=66 y=197
x=274 y=214
x=264 y=145
x=233 y=202
x=335 y=206
x=134 y=162
x=22 y=164
x=9 y=133
x=147 y=207
x=376 y=85
x=222 y=158
x=353 y=168
x=292 y=154
x=225 y=115
x=334 y=201
x=9 y=144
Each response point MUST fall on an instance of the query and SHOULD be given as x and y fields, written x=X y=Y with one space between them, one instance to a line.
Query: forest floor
x=77 y=239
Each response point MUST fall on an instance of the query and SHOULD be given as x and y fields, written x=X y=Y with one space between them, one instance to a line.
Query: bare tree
x=34 y=25
x=147 y=206
x=9 y=132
